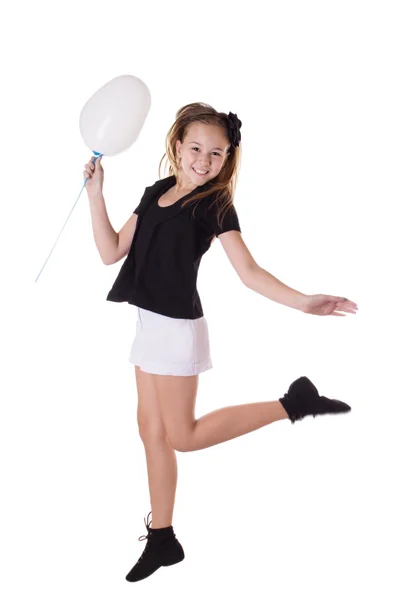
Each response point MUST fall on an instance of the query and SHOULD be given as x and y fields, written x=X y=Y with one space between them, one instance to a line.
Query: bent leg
x=177 y=398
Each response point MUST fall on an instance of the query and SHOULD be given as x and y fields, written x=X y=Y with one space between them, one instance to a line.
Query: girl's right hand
x=95 y=173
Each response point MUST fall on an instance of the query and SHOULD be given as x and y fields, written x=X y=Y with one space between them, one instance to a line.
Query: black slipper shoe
x=302 y=399
x=162 y=550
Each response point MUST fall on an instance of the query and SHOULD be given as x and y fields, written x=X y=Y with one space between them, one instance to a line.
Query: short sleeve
x=230 y=220
x=138 y=210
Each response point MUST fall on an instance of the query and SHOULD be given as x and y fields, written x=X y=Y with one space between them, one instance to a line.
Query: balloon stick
x=96 y=156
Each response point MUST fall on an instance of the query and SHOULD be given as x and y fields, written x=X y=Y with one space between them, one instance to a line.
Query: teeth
x=200 y=172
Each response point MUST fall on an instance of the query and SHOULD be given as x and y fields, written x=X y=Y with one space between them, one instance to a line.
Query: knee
x=180 y=442
x=179 y=447
x=150 y=432
x=153 y=436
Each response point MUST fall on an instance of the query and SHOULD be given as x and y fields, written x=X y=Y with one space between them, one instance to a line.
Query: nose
x=204 y=162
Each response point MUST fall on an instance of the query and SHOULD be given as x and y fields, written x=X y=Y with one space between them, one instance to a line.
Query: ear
x=178 y=148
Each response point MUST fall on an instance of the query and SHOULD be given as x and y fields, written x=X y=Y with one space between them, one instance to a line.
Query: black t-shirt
x=160 y=270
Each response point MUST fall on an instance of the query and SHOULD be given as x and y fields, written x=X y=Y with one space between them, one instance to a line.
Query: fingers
x=90 y=167
x=349 y=304
x=346 y=302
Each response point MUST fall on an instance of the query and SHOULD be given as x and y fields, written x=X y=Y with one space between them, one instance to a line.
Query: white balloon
x=113 y=117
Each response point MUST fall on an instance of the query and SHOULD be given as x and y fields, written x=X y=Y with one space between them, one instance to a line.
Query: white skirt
x=167 y=346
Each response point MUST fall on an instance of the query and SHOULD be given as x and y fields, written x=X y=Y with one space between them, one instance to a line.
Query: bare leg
x=177 y=398
x=161 y=461
x=230 y=422
x=162 y=477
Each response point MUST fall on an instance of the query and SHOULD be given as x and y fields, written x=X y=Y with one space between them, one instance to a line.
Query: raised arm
x=112 y=246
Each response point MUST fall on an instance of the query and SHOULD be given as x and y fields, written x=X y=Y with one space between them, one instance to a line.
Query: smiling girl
x=164 y=241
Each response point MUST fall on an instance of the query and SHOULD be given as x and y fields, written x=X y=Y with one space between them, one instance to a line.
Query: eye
x=197 y=148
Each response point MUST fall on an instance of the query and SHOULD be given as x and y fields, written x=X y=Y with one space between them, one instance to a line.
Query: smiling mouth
x=201 y=174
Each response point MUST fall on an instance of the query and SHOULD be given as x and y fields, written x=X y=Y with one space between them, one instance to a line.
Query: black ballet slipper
x=303 y=399
x=162 y=550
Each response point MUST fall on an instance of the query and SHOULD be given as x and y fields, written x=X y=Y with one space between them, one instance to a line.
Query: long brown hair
x=224 y=185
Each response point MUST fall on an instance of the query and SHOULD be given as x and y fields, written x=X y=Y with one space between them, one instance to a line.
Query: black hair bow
x=234 y=125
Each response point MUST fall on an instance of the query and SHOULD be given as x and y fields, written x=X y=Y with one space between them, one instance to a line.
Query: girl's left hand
x=320 y=304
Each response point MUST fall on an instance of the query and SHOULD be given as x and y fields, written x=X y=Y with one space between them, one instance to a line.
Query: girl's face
x=203 y=153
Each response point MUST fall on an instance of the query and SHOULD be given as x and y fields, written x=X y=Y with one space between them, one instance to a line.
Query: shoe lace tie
x=145 y=537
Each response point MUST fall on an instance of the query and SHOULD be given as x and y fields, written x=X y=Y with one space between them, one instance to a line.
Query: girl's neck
x=181 y=186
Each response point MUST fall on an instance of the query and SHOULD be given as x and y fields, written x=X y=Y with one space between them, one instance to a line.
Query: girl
x=164 y=240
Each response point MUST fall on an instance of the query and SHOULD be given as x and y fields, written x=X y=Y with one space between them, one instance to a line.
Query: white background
x=290 y=511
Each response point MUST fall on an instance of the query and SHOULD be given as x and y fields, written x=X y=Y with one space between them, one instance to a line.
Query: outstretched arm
x=255 y=277
x=262 y=282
